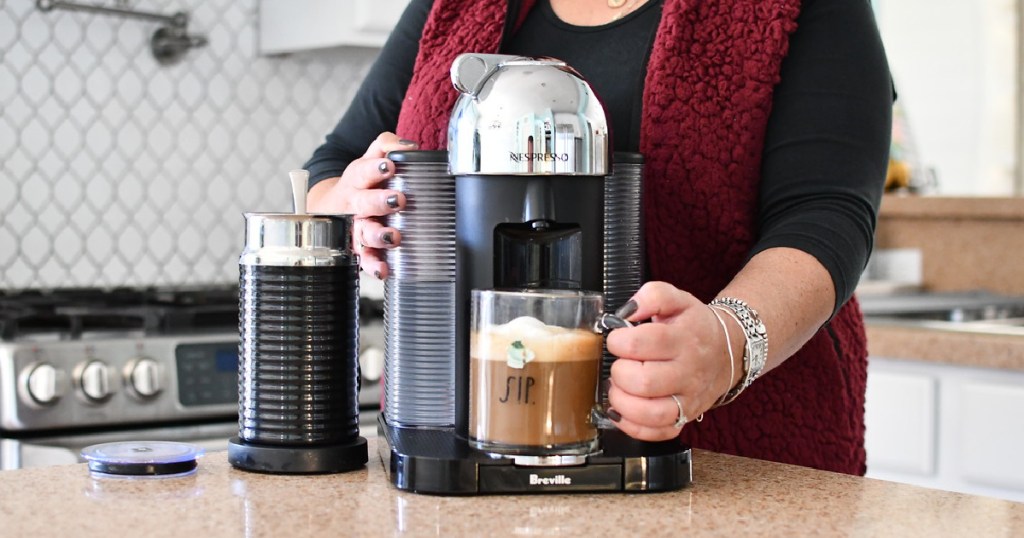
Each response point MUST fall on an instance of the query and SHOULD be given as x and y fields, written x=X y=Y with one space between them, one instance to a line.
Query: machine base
x=297 y=459
x=436 y=461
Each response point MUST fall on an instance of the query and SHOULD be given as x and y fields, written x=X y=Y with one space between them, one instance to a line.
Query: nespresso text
x=542 y=157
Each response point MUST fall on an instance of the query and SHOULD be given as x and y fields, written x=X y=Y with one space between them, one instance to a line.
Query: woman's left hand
x=681 y=352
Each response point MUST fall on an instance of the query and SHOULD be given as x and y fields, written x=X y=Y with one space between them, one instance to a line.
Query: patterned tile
x=119 y=171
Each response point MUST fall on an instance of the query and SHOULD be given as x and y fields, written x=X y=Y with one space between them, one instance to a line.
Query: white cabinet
x=946 y=427
x=901 y=417
x=294 y=25
x=990 y=422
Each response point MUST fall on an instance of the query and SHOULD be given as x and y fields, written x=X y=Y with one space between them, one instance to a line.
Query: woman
x=765 y=128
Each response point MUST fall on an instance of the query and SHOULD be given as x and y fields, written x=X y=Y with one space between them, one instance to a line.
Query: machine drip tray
x=436 y=461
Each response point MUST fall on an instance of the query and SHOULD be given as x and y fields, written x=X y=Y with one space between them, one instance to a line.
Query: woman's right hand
x=357 y=192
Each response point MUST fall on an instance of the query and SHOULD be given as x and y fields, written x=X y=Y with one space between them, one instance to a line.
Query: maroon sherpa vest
x=706 y=102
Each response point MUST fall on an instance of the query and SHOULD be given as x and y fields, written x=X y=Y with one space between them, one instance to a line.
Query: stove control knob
x=371 y=364
x=45 y=384
x=94 y=381
x=143 y=378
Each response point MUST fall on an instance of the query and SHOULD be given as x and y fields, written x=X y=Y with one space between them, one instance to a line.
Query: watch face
x=758 y=354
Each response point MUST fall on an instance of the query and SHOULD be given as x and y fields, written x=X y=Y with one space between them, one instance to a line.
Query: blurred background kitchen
x=132 y=144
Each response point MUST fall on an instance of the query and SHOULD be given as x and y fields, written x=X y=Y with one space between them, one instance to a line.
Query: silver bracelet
x=732 y=359
x=755 y=350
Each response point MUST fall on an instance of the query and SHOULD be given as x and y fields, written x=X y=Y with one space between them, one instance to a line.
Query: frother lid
x=142 y=458
x=296 y=239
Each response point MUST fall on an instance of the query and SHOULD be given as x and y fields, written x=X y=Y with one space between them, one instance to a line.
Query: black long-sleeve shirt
x=827 y=137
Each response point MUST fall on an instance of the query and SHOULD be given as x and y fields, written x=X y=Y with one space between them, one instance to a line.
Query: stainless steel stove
x=80 y=366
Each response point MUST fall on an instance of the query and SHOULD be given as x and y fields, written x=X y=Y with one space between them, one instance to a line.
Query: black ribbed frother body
x=298 y=355
x=298 y=346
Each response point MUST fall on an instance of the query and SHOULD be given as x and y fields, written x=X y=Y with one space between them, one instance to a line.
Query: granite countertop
x=946 y=343
x=730 y=496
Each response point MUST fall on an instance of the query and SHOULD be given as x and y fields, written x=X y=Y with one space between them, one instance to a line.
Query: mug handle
x=599 y=413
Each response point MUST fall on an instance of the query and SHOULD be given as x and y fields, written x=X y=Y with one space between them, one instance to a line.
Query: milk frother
x=298 y=344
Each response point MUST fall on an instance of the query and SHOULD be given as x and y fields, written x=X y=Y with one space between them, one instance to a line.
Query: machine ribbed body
x=623 y=235
x=419 y=295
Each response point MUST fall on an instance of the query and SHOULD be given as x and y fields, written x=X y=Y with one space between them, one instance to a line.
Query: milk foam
x=547 y=342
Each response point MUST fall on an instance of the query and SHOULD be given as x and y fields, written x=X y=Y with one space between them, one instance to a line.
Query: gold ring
x=682 y=416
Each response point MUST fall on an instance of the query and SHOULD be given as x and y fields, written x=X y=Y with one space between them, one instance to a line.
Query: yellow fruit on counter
x=898 y=176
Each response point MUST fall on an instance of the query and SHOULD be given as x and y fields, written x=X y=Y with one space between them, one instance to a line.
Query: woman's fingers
x=358 y=192
x=374 y=167
x=681 y=352
x=373 y=234
x=367 y=173
x=371 y=239
x=358 y=189
x=648 y=342
x=660 y=300
x=650 y=379
x=660 y=412
x=371 y=260
x=646 y=433
x=337 y=196
x=375 y=202
x=387 y=142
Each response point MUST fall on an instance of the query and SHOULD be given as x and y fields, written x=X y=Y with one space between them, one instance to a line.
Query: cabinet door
x=295 y=25
x=900 y=418
x=991 y=431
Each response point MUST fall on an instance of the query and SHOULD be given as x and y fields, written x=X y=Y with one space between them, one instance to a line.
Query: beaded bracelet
x=755 y=350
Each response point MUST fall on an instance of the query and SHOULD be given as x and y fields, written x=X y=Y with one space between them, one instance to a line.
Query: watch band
x=755 y=349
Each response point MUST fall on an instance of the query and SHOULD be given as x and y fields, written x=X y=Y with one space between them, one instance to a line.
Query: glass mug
x=535 y=363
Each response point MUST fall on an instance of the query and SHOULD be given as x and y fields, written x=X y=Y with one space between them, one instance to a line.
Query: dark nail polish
x=610 y=322
x=627 y=309
x=613 y=414
x=383 y=167
x=388 y=238
x=392 y=201
x=378 y=275
x=406 y=142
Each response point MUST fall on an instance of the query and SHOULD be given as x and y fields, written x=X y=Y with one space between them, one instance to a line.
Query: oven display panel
x=207 y=373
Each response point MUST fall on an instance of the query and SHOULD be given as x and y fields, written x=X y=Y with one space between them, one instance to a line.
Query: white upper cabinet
x=295 y=25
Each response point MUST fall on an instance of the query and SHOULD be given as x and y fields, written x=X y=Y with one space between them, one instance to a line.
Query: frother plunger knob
x=300 y=183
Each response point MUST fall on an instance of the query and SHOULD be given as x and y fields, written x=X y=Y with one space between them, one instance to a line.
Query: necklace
x=624 y=8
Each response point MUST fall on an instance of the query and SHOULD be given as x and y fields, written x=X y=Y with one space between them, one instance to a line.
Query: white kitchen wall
x=955 y=66
x=119 y=171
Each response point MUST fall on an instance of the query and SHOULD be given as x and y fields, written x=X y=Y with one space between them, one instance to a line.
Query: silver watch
x=755 y=350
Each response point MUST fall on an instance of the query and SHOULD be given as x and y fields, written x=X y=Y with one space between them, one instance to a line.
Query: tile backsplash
x=115 y=170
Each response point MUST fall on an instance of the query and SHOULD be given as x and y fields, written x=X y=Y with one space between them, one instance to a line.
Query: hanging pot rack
x=169 y=43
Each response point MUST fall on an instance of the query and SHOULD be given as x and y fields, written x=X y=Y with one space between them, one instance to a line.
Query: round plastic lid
x=142 y=458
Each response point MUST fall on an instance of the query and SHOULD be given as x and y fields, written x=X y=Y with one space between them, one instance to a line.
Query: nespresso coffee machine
x=526 y=197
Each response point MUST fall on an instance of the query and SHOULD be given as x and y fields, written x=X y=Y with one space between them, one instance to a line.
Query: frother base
x=436 y=461
x=297 y=460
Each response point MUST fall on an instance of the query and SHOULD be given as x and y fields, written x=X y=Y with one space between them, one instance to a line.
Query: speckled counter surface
x=942 y=344
x=730 y=496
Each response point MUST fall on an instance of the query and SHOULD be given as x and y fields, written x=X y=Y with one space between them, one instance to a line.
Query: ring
x=682 y=416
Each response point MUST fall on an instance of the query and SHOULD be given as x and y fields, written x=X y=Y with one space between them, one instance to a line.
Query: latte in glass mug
x=533 y=384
